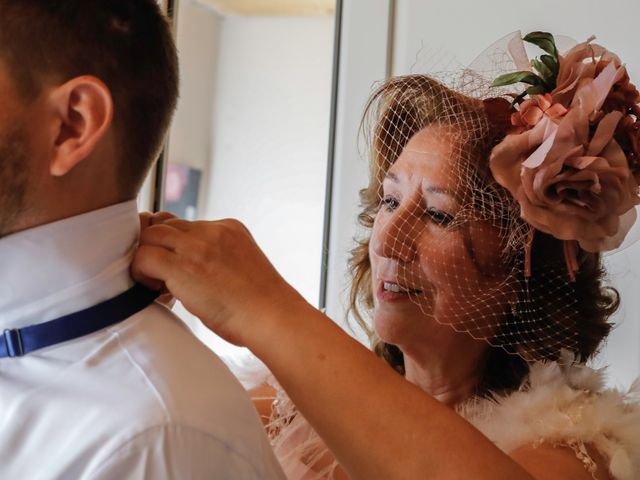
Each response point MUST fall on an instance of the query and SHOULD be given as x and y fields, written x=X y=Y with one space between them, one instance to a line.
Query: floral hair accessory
x=571 y=156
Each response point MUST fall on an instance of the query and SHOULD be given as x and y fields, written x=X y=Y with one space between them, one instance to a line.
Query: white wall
x=431 y=35
x=270 y=137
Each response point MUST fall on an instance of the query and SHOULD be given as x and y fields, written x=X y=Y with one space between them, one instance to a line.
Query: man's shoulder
x=142 y=392
x=178 y=377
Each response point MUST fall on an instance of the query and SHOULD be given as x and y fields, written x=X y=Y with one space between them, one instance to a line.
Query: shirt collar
x=66 y=266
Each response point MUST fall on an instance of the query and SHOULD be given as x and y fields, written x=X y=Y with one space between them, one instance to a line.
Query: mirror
x=250 y=139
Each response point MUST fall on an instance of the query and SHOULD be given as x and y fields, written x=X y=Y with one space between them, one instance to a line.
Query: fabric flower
x=624 y=95
x=632 y=130
x=578 y=67
x=531 y=111
x=571 y=181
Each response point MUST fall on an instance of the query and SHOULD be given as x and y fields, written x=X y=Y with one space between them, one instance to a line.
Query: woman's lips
x=390 y=296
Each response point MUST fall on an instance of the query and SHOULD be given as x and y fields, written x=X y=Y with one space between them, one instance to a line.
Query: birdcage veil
x=489 y=204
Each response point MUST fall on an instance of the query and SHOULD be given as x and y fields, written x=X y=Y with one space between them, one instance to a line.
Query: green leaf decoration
x=544 y=40
x=516 y=77
x=519 y=98
x=536 y=90
x=543 y=70
x=547 y=67
x=551 y=63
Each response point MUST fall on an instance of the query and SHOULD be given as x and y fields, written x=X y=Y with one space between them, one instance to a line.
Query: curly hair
x=399 y=109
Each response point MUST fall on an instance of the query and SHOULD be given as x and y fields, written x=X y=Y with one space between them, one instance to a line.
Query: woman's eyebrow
x=440 y=190
x=391 y=176
x=429 y=188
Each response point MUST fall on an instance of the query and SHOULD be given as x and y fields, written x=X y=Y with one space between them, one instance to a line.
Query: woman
x=466 y=297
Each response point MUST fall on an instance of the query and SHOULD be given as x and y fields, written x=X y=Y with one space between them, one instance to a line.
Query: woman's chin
x=392 y=328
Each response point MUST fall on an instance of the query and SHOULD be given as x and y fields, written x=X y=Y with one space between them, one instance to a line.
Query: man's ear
x=83 y=108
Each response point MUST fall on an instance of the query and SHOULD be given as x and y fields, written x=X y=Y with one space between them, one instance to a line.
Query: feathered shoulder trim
x=565 y=403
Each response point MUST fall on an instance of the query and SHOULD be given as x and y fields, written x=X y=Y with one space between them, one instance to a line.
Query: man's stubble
x=13 y=177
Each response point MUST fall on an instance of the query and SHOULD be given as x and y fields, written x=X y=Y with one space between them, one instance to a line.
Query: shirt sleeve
x=179 y=452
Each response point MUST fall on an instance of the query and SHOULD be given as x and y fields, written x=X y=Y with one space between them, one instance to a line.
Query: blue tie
x=21 y=341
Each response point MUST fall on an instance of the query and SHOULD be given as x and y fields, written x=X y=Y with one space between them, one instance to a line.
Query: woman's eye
x=439 y=217
x=390 y=203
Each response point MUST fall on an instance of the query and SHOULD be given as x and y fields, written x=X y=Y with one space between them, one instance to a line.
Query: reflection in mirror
x=250 y=137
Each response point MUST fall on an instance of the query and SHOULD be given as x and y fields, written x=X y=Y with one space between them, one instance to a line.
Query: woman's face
x=432 y=262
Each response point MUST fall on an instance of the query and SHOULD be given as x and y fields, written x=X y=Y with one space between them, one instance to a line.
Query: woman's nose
x=396 y=238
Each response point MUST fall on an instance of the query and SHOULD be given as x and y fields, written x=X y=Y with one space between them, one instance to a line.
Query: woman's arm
x=377 y=424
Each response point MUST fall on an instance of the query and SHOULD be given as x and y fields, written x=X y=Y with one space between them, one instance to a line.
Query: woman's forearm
x=377 y=424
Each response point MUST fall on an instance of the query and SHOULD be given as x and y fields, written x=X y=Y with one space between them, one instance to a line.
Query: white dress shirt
x=143 y=399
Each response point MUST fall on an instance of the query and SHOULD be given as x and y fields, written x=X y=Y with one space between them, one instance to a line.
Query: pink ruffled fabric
x=563 y=403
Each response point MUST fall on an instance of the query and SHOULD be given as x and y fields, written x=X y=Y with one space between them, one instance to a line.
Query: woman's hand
x=146 y=220
x=376 y=423
x=218 y=272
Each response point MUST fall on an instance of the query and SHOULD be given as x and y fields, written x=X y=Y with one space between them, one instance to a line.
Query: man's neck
x=51 y=211
x=68 y=265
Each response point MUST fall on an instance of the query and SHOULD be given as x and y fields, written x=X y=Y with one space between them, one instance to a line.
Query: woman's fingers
x=149 y=219
x=217 y=271
x=162 y=235
x=152 y=266
x=145 y=220
x=160 y=217
x=177 y=223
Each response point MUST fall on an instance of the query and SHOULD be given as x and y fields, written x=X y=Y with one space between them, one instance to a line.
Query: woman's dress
x=561 y=404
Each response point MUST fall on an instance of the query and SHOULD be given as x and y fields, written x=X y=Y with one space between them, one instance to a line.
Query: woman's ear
x=83 y=108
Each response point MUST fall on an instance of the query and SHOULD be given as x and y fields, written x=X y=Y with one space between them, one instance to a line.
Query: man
x=96 y=382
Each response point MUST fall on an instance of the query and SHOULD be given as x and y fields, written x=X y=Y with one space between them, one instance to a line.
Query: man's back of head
x=88 y=89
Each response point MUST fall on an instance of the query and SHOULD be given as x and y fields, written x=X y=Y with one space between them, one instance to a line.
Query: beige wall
x=270 y=137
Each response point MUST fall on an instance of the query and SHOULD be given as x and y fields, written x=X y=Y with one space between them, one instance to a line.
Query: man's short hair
x=125 y=43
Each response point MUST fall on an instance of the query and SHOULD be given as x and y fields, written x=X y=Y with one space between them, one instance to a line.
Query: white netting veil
x=446 y=235
x=448 y=244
